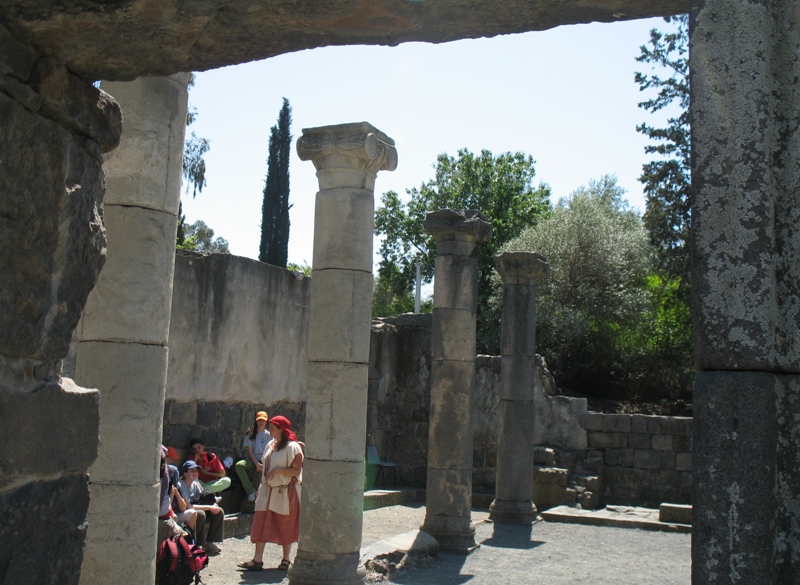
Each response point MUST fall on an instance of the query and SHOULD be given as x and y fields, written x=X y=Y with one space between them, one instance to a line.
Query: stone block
x=608 y=440
x=662 y=442
x=74 y=411
x=453 y=335
x=675 y=513
x=675 y=425
x=544 y=456
x=61 y=506
x=343 y=230
x=683 y=461
x=331 y=508
x=518 y=335
x=52 y=220
x=627 y=457
x=109 y=532
x=178 y=436
x=336 y=411
x=639 y=423
x=639 y=441
x=515 y=450
x=681 y=444
x=518 y=378
x=550 y=476
x=590 y=421
x=647 y=459
x=457 y=285
x=450 y=440
x=654 y=424
x=414 y=320
x=132 y=300
x=617 y=423
x=131 y=379
x=207 y=414
x=668 y=460
x=230 y=416
x=339 y=320
x=612 y=457
x=593 y=463
x=180 y=413
x=139 y=171
x=448 y=493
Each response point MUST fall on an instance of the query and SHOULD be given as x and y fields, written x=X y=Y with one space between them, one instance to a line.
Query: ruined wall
x=237 y=344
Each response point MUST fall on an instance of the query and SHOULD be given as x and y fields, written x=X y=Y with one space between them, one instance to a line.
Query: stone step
x=617 y=516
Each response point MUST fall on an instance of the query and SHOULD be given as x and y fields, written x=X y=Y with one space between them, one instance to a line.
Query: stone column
x=347 y=158
x=745 y=111
x=520 y=272
x=54 y=128
x=122 y=336
x=455 y=300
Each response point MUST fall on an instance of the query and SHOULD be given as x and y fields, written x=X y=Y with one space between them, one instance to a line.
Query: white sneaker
x=251 y=497
x=217 y=499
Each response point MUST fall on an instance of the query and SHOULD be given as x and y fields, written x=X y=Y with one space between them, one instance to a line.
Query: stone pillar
x=745 y=111
x=122 y=336
x=54 y=128
x=516 y=413
x=347 y=158
x=455 y=300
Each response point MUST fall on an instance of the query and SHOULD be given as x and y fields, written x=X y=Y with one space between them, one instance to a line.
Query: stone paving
x=549 y=553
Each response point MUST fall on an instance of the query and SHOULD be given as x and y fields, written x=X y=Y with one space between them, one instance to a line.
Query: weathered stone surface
x=746 y=303
x=662 y=442
x=67 y=407
x=16 y=58
x=518 y=377
x=52 y=556
x=337 y=399
x=343 y=229
x=125 y=305
x=454 y=336
x=109 y=532
x=457 y=292
x=338 y=326
x=648 y=459
x=77 y=105
x=128 y=39
x=515 y=450
x=608 y=440
x=332 y=497
x=142 y=171
x=591 y=421
x=450 y=430
x=131 y=380
x=617 y=423
x=448 y=508
x=51 y=208
x=457 y=233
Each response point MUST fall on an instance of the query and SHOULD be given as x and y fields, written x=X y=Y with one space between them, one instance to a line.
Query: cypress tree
x=275 y=207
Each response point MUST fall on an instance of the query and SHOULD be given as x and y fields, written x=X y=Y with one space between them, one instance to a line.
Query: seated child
x=255 y=442
x=208 y=519
x=212 y=472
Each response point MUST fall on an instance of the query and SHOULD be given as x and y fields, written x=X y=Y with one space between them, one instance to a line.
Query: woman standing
x=277 y=516
x=255 y=441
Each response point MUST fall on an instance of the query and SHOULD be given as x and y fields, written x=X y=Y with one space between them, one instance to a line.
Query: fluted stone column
x=122 y=336
x=455 y=300
x=520 y=272
x=745 y=110
x=347 y=158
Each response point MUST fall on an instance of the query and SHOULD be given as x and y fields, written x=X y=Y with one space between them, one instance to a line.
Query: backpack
x=179 y=562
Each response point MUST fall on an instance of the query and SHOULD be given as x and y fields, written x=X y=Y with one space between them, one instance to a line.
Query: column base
x=512 y=512
x=454 y=534
x=326 y=569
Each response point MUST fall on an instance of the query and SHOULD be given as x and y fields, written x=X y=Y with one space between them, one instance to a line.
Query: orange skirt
x=277 y=528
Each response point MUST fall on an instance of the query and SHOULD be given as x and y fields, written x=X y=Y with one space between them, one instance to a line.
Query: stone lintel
x=339 y=150
x=521 y=267
x=458 y=231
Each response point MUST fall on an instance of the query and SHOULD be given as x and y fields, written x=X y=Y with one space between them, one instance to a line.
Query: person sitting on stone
x=167 y=526
x=208 y=519
x=212 y=473
x=255 y=443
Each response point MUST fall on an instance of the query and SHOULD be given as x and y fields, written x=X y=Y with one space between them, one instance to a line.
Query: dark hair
x=253 y=431
x=196 y=441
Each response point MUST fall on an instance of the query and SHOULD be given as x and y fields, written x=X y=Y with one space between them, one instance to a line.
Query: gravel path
x=548 y=553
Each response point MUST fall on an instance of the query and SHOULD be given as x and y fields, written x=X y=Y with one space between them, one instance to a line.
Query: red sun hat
x=285 y=426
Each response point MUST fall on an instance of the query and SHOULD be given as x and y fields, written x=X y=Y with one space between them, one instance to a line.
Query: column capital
x=347 y=155
x=457 y=231
x=521 y=267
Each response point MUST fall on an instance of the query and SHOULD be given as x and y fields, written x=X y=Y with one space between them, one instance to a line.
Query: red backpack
x=179 y=562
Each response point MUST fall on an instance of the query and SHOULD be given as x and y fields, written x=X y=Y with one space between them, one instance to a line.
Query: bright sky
x=566 y=96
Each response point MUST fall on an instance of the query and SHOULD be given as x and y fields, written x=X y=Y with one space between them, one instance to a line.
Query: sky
x=566 y=96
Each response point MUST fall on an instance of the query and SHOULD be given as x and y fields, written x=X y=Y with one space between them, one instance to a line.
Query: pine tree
x=667 y=180
x=274 y=247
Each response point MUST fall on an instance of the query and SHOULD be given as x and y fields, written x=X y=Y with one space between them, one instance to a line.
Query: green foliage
x=603 y=319
x=667 y=178
x=304 y=268
x=200 y=238
x=500 y=187
x=387 y=302
x=274 y=248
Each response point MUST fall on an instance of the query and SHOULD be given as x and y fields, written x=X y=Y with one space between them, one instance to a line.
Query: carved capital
x=457 y=231
x=355 y=147
x=521 y=267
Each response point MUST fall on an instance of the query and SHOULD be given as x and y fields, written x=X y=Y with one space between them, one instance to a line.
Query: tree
x=667 y=179
x=274 y=247
x=200 y=238
x=500 y=187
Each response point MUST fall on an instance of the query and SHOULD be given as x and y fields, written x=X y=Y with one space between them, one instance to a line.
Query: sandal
x=251 y=565
x=284 y=566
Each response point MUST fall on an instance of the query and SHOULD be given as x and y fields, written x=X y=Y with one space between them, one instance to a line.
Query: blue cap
x=188 y=465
